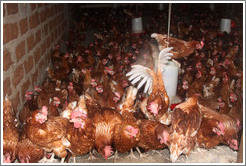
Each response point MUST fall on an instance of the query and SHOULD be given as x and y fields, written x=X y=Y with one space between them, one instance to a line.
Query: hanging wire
x=169 y=19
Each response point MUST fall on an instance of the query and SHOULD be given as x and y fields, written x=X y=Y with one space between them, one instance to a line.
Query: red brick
x=38 y=36
x=42 y=15
x=6 y=87
x=51 y=25
x=34 y=20
x=34 y=77
x=37 y=55
x=12 y=8
x=56 y=33
x=24 y=88
x=41 y=64
x=43 y=48
x=18 y=75
x=20 y=50
x=16 y=101
x=30 y=42
x=23 y=26
x=50 y=11
x=61 y=7
x=52 y=36
x=28 y=64
x=48 y=42
x=47 y=12
x=61 y=17
x=7 y=60
x=56 y=21
x=10 y=32
x=46 y=29
x=33 y=6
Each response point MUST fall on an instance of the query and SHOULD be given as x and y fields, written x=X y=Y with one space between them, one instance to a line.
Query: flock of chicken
x=86 y=102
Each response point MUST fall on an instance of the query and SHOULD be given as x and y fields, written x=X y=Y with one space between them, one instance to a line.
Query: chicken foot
x=156 y=151
x=131 y=155
x=115 y=156
x=74 y=159
x=91 y=156
x=141 y=155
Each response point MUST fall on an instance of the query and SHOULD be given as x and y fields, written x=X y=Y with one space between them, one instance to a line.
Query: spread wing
x=142 y=73
x=164 y=56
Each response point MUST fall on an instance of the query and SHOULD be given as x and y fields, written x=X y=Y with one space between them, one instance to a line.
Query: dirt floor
x=220 y=154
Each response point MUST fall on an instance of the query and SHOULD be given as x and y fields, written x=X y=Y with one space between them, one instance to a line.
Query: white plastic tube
x=170 y=78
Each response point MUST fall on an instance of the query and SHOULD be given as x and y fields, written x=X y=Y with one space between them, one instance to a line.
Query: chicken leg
x=91 y=156
x=62 y=160
x=115 y=156
x=131 y=155
x=141 y=155
x=156 y=151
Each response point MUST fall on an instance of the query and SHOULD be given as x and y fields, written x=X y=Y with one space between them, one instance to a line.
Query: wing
x=164 y=57
x=142 y=73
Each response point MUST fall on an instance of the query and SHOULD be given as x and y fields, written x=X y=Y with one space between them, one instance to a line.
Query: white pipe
x=169 y=19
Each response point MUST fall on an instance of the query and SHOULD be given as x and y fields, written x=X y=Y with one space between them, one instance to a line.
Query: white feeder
x=170 y=78
x=225 y=25
x=137 y=25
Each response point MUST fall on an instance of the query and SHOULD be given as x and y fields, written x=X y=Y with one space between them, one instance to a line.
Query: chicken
x=156 y=105
x=87 y=79
x=183 y=30
x=225 y=87
x=105 y=123
x=10 y=132
x=49 y=91
x=72 y=94
x=236 y=103
x=49 y=134
x=61 y=72
x=185 y=122
x=210 y=88
x=53 y=111
x=55 y=57
x=29 y=106
x=207 y=136
x=28 y=152
x=81 y=131
x=217 y=128
x=153 y=135
x=181 y=48
x=92 y=106
x=127 y=133
x=196 y=87
x=126 y=136
x=127 y=107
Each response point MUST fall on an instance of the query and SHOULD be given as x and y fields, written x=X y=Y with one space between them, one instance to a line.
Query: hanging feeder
x=225 y=25
x=137 y=25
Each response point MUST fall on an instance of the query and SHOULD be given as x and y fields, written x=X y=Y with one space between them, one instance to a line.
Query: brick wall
x=30 y=30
